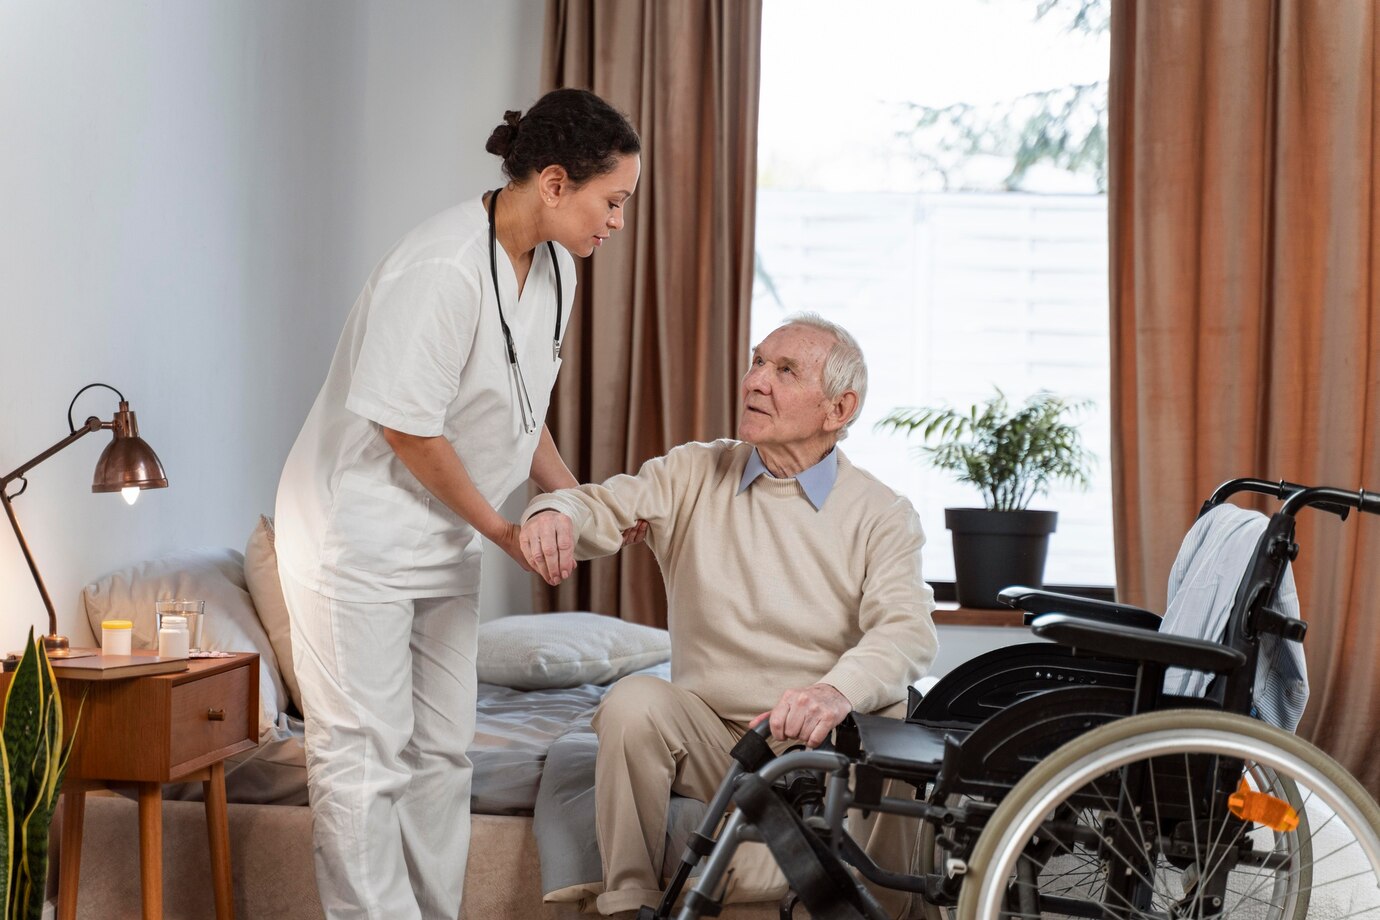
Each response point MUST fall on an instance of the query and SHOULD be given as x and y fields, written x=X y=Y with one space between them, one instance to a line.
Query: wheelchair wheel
x=1179 y=813
x=1292 y=899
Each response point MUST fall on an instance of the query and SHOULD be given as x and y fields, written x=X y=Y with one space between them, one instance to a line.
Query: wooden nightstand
x=152 y=730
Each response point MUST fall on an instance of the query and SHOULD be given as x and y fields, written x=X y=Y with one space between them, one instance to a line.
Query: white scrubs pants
x=389 y=693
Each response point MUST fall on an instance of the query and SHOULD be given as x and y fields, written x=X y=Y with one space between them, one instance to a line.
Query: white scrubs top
x=423 y=353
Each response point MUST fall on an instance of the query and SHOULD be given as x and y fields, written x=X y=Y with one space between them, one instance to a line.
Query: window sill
x=949 y=613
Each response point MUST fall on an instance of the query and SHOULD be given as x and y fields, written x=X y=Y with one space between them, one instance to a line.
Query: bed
x=540 y=681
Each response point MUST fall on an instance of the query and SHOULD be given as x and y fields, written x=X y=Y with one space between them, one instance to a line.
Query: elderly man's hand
x=636 y=533
x=807 y=715
x=548 y=543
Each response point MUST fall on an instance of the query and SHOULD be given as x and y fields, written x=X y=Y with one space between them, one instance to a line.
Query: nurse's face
x=582 y=218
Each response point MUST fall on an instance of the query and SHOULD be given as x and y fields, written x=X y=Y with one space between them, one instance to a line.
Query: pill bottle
x=173 y=637
x=116 y=637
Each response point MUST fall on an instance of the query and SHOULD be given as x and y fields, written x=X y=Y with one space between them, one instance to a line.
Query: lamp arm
x=92 y=424
x=33 y=567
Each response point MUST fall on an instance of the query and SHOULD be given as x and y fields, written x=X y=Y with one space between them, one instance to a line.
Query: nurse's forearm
x=549 y=471
x=438 y=467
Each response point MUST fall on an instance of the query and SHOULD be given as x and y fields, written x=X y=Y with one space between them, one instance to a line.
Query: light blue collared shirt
x=817 y=481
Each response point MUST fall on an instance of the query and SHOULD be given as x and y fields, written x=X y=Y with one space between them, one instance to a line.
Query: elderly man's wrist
x=825 y=683
x=843 y=695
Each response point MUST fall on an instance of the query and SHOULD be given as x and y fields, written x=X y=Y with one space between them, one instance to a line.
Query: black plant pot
x=997 y=549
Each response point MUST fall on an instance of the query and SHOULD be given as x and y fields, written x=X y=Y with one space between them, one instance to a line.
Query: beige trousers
x=655 y=739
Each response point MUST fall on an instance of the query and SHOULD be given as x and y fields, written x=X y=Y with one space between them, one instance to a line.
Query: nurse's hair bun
x=570 y=128
x=502 y=139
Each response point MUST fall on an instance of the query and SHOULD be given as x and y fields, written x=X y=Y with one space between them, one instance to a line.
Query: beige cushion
x=547 y=650
x=261 y=573
x=215 y=576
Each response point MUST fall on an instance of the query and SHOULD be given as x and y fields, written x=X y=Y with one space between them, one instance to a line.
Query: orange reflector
x=1260 y=808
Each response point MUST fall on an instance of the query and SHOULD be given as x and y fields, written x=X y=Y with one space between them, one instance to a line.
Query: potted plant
x=33 y=760
x=1011 y=457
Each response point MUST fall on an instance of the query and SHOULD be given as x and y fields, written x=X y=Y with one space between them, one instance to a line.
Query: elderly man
x=794 y=587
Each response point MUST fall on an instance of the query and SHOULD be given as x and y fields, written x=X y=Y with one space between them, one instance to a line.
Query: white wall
x=191 y=195
x=958 y=644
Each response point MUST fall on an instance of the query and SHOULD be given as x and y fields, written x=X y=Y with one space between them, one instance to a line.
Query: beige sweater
x=766 y=593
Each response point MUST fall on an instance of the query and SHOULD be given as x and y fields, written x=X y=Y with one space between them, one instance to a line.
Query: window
x=899 y=194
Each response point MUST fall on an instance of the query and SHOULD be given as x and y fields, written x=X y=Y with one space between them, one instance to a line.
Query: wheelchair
x=1061 y=778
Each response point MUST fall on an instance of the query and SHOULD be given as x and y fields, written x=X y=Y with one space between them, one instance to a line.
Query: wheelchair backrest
x=1225 y=573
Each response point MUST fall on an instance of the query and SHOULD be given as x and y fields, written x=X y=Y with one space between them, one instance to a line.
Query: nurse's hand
x=509 y=540
x=548 y=542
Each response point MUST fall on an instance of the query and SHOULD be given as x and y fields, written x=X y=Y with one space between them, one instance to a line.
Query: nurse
x=431 y=414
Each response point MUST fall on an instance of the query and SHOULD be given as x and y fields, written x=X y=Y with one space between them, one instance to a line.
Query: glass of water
x=194 y=611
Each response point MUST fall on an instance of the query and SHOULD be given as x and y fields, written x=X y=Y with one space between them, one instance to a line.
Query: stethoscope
x=529 y=417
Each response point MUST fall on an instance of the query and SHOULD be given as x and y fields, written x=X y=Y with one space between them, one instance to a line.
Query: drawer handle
x=216 y=715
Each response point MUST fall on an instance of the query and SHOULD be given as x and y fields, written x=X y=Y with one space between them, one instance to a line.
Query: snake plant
x=33 y=760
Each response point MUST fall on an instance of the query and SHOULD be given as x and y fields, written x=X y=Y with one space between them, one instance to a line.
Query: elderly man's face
x=783 y=390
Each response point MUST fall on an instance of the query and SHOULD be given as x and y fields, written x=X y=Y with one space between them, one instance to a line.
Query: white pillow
x=546 y=650
x=215 y=576
x=261 y=574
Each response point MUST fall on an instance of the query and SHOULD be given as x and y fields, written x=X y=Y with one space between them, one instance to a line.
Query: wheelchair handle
x=1370 y=502
x=752 y=750
x=1281 y=489
x=1331 y=499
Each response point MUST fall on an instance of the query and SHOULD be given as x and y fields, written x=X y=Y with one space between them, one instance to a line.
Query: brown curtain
x=1245 y=292
x=660 y=333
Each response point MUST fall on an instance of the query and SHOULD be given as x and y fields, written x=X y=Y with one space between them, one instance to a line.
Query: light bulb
x=130 y=494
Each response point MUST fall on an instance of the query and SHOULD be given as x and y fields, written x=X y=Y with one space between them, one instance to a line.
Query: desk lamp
x=127 y=465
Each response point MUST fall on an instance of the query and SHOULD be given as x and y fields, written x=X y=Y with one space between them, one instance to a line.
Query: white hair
x=844 y=367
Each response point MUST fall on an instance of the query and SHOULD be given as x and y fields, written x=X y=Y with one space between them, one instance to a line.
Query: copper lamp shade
x=127 y=461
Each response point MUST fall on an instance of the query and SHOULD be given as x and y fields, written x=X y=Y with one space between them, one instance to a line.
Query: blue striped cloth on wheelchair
x=1203 y=582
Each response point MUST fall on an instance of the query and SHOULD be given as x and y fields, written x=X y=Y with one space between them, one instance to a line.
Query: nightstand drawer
x=161 y=727
x=209 y=714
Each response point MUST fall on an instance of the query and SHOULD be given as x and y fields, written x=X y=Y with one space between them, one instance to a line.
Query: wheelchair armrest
x=1036 y=601
x=1132 y=644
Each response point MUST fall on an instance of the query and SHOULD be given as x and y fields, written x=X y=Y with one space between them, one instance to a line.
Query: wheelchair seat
x=990 y=757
